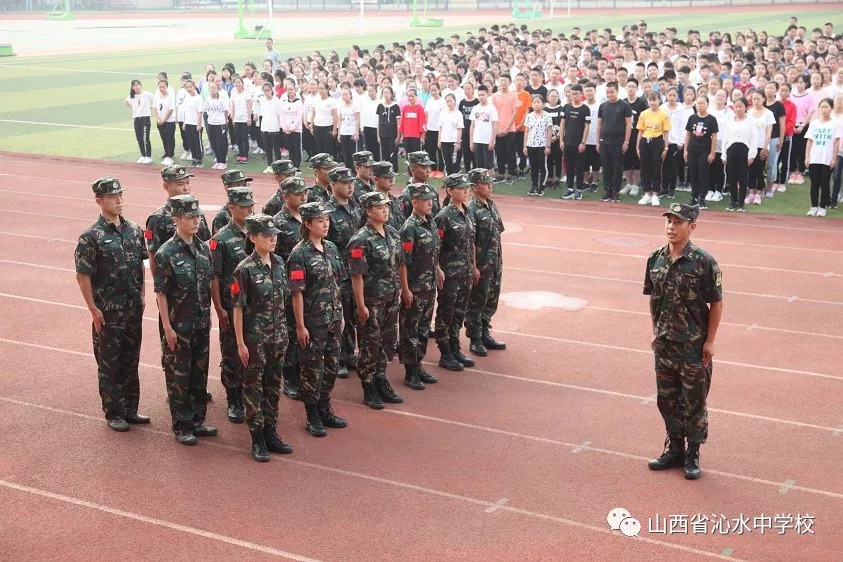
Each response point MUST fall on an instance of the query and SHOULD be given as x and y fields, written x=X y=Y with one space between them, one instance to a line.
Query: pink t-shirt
x=805 y=103
x=505 y=104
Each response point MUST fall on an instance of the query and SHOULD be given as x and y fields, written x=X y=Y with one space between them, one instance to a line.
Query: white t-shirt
x=433 y=108
x=450 y=125
x=823 y=135
x=257 y=94
x=180 y=95
x=271 y=112
x=141 y=104
x=309 y=101
x=191 y=108
x=369 y=111
x=323 y=108
x=346 y=113
x=537 y=129
x=458 y=92
x=594 y=108
x=678 y=119
x=163 y=105
x=216 y=109
x=723 y=116
x=483 y=117
x=240 y=106
x=761 y=123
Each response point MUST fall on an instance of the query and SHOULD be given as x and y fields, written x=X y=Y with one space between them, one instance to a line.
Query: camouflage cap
x=341 y=174
x=241 y=196
x=312 y=210
x=175 y=173
x=234 y=176
x=682 y=211
x=420 y=157
x=184 y=205
x=383 y=170
x=373 y=199
x=322 y=161
x=456 y=181
x=283 y=166
x=261 y=224
x=106 y=186
x=421 y=191
x=293 y=185
x=479 y=175
x=363 y=158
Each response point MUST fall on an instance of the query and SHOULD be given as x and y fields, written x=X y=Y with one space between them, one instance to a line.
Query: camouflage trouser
x=262 y=384
x=451 y=305
x=682 y=383
x=117 y=351
x=231 y=369
x=291 y=356
x=319 y=362
x=186 y=373
x=349 y=314
x=378 y=337
x=483 y=302
x=412 y=343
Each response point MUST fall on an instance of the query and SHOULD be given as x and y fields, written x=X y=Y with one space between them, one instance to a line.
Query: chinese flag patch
x=357 y=253
x=212 y=244
x=407 y=246
x=441 y=233
x=235 y=288
x=147 y=234
x=297 y=275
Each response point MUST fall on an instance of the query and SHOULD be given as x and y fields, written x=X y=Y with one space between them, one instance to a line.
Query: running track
x=520 y=458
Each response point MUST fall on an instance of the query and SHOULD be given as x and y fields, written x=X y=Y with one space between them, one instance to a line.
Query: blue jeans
x=773 y=163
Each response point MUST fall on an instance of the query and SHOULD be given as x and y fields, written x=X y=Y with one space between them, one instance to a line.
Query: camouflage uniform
x=321 y=193
x=261 y=291
x=679 y=296
x=159 y=225
x=282 y=169
x=375 y=257
x=316 y=275
x=405 y=201
x=183 y=273
x=231 y=178
x=420 y=253
x=363 y=158
x=112 y=256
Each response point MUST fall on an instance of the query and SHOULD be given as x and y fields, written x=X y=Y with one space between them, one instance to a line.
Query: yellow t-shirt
x=653 y=123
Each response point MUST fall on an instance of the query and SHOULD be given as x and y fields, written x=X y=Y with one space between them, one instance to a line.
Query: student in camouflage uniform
x=456 y=259
x=345 y=215
x=282 y=170
x=228 y=249
x=230 y=178
x=321 y=163
x=483 y=301
x=259 y=291
x=684 y=285
x=288 y=220
x=109 y=269
x=420 y=276
x=182 y=288
x=315 y=268
x=420 y=164
x=373 y=264
x=384 y=180
x=363 y=162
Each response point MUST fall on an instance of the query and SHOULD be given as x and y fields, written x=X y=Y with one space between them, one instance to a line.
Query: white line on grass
x=67 y=125
x=55 y=69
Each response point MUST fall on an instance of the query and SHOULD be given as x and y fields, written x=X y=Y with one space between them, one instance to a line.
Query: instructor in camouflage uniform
x=322 y=164
x=230 y=179
x=281 y=170
x=363 y=163
x=384 y=180
x=420 y=164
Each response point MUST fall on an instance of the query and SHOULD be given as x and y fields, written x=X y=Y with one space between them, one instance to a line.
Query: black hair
x=132 y=87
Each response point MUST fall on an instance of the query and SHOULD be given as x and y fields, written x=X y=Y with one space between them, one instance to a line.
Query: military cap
x=233 y=176
x=373 y=199
x=261 y=224
x=175 y=172
x=684 y=212
x=283 y=167
x=421 y=191
x=479 y=175
x=293 y=185
x=322 y=161
x=420 y=157
x=241 y=196
x=107 y=186
x=341 y=174
x=383 y=170
x=456 y=181
x=363 y=158
x=184 y=205
x=312 y=210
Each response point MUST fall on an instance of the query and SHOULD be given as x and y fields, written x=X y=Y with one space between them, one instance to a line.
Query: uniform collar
x=255 y=257
x=104 y=223
x=285 y=214
x=686 y=252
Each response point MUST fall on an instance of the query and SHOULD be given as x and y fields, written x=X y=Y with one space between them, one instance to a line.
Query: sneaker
x=782 y=188
x=634 y=191
x=757 y=199
x=540 y=192
x=709 y=196
x=703 y=204
x=564 y=179
x=606 y=198
x=748 y=199
x=222 y=166
x=533 y=191
x=141 y=160
x=655 y=201
x=741 y=209
x=671 y=195
x=572 y=194
x=813 y=212
x=147 y=160
x=800 y=179
x=769 y=193
x=646 y=199
x=731 y=208
x=268 y=170
x=209 y=151
x=717 y=196
x=694 y=201
x=593 y=188
x=197 y=164
x=185 y=155
x=167 y=161
x=626 y=189
x=821 y=212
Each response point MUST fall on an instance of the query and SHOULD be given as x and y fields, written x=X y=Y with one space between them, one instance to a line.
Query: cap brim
x=387 y=175
x=459 y=186
x=677 y=215
x=188 y=214
x=270 y=231
x=425 y=196
x=248 y=203
x=427 y=162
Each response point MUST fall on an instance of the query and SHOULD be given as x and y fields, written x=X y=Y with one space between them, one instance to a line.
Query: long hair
x=132 y=87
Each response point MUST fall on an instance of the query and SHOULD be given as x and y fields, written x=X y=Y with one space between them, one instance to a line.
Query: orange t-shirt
x=522 y=106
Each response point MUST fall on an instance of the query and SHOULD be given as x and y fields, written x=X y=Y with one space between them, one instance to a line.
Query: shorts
x=630 y=157
x=591 y=158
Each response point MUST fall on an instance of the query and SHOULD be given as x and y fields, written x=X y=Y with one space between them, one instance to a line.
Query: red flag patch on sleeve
x=357 y=253
x=407 y=246
x=212 y=244
x=235 y=288
x=297 y=275
x=441 y=233
x=147 y=234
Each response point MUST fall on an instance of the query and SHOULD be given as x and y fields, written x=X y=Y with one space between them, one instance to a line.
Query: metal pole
x=271 y=19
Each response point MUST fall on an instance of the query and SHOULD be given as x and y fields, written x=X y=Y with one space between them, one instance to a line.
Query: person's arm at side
x=782 y=132
x=494 y=135
x=357 y=287
x=87 y=289
x=627 y=133
x=713 y=149
x=164 y=313
x=809 y=145
x=471 y=137
x=561 y=133
x=597 y=136
x=714 y=316
x=222 y=315
x=298 y=311
x=549 y=139
x=406 y=293
x=685 y=150
x=584 y=136
x=242 y=350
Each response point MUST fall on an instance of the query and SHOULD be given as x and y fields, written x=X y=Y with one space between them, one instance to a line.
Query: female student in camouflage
x=259 y=291
x=315 y=269
x=373 y=264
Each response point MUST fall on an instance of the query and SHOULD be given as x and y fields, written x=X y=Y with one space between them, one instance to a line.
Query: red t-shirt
x=413 y=121
x=279 y=90
x=789 y=117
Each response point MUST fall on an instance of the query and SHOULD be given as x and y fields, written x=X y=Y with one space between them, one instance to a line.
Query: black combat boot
x=342 y=371
x=411 y=377
x=273 y=442
x=384 y=389
x=351 y=362
x=135 y=417
x=447 y=359
x=424 y=376
x=326 y=414
x=233 y=415
x=291 y=381
x=371 y=398
x=208 y=396
x=477 y=347
x=491 y=343
x=314 y=422
x=259 y=450
x=673 y=456
x=692 y=462
x=457 y=352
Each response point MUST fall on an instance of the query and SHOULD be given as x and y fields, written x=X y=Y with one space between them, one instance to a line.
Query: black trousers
x=241 y=139
x=168 y=138
x=505 y=154
x=698 y=169
x=272 y=146
x=717 y=174
x=467 y=153
x=184 y=144
x=293 y=143
x=554 y=161
x=194 y=143
x=518 y=141
x=255 y=132
x=349 y=147
x=670 y=168
x=308 y=142
x=756 y=172
x=737 y=172
x=219 y=142
x=451 y=157
x=611 y=156
x=538 y=170
x=574 y=165
x=651 y=163
x=797 y=151
x=784 y=167
x=370 y=139
x=412 y=144
x=820 y=177
x=389 y=151
x=142 y=125
x=431 y=146
x=324 y=139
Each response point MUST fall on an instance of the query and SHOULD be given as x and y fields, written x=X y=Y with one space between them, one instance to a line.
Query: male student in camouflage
x=420 y=164
x=322 y=164
x=228 y=249
x=182 y=289
x=230 y=178
x=281 y=170
x=363 y=163
x=686 y=304
x=384 y=180
x=109 y=269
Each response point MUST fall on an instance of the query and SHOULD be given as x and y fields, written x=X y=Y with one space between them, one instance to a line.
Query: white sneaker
x=222 y=166
x=147 y=160
x=626 y=189
x=634 y=191
x=564 y=179
x=717 y=196
x=709 y=196
x=167 y=161
x=655 y=201
x=140 y=160
x=821 y=212
x=813 y=212
x=268 y=170
x=645 y=200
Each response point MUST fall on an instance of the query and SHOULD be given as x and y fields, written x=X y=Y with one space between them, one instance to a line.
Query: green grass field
x=72 y=105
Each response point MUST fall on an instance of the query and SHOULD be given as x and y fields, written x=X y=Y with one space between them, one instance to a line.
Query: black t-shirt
x=575 y=121
x=465 y=108
x=637 y=107
x=701 y=129
x=613 y=121
x=777 y=108
x=388 y=120
x=556 y=116
x=541 y=90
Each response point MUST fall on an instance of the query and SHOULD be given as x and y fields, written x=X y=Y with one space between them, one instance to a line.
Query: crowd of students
x=721 y=115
